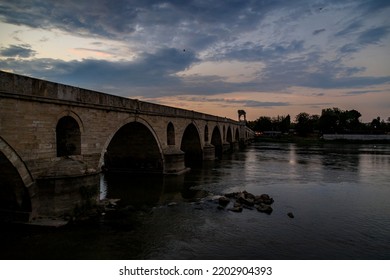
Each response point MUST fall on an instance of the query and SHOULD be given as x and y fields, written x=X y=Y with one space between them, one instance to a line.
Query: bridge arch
x=171 y=134
x=68 y=137
x=15 y=181
x=237 y=135
x=191 y=146
x=216 y=141
x=75 y=116
x=133 y=148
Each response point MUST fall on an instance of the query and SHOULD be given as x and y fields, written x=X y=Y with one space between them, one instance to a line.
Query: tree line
x=331 y=121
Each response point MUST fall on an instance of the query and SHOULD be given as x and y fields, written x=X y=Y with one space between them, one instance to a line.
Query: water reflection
x=140 y=190
x=132 y=189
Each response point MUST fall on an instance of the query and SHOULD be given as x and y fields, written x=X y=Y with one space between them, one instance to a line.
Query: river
x=339 y=195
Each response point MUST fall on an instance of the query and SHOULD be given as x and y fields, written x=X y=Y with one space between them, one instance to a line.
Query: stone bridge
x=55 y=139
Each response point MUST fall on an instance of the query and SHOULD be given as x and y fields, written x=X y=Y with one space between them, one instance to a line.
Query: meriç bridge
x=55 y=139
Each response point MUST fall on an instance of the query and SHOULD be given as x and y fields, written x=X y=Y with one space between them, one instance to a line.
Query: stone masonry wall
x=30 y=110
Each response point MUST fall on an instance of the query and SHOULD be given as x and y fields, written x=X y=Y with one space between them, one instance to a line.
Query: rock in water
x=223 y=201
x=264 y=208
x=291 y=215
x=264 y=199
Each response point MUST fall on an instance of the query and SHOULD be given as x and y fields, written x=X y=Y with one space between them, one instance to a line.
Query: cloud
x=154 y=74
x=209 y=31
x=350 y=48
x=249 y=103
x=21 y=51
x=249 y=51
x=318 y=31
x=78 y=17
x=196 y=23
x=149 y=69
x=374 y=6
x=351 y=28
x=317 y=105
x=373 y=35
x=327 y=81
x=254 y=103
x=360 y=92
x=242 y=102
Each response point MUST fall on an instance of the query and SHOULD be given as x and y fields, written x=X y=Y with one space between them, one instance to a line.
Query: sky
x=269 y=58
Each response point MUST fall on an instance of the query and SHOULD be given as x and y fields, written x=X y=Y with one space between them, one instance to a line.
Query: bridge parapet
x=18 y=86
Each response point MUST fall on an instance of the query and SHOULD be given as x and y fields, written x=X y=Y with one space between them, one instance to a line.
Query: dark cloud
x=331 y=82
x=242 y=102
x=309 y=70
x=360 y=92
x=22 y=51
x=317 y=105
x=350 y=48
x=154 y=75
x=351 y=28
x=318 y=31
x=208 y=31
x=373 y=35
x=251 y=103
x=150 y=69
x=249 y=51
x=103 y=18
x=121 y=18
x=373 y=6
x=364 y=38
x=254 y=103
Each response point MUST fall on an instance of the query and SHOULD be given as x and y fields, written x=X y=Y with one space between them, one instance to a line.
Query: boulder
x=237 y=204
x=223 y=200
x=232 y=195
x=247 y=207
x=264 y=208
x=246 y=201
x=264 y=199
x=249 y=195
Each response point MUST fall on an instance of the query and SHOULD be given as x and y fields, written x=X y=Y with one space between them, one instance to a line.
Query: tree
x=376 y=124
x=263 y=124
x=334 y=120
x=314 y=121
x=327 y=121
x=303 y=124
x=352 y=120
x=285 y=124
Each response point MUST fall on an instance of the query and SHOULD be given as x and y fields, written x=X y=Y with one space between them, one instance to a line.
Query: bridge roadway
x=55 y=139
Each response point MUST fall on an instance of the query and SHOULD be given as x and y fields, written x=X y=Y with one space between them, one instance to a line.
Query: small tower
x=240 y=114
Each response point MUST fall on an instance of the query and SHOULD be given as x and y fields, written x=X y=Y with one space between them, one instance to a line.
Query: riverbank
x=327 y=138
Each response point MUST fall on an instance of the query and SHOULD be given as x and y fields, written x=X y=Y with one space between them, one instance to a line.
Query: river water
x=339 y=195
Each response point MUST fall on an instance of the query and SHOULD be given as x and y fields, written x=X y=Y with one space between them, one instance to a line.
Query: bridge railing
x=18 y=86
